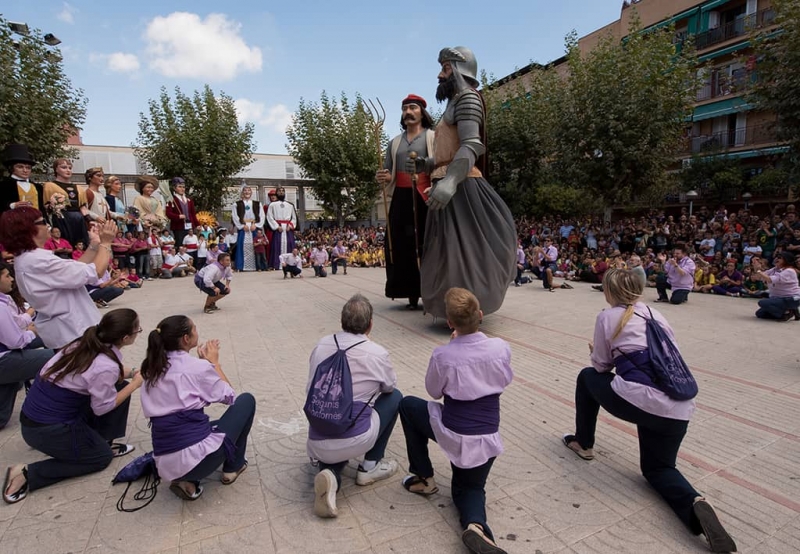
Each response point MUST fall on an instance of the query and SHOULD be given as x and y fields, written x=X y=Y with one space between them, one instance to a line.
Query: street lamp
x=691 y=196
x=19 y=28
x=746 y=197
x=51 y=40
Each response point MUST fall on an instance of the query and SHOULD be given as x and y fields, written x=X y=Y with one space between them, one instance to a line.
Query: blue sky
x=267 y=55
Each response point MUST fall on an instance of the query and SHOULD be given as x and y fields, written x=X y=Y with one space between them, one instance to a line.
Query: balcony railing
x=738 y=28
x=721 y=84
x=732 y=138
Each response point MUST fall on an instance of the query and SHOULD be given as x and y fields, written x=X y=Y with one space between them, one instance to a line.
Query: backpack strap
x=349 y=347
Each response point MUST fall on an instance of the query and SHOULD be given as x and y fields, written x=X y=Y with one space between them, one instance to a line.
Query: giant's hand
x=442 y=192
x=415 y=165
x=383 y=176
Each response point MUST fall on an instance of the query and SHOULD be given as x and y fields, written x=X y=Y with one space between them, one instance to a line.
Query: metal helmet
x=462 y=60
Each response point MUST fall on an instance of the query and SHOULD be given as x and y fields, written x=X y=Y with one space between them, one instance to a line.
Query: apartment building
x=723 y=122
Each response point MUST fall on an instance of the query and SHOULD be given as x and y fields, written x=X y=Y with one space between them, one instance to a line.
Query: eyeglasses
x=41 y=222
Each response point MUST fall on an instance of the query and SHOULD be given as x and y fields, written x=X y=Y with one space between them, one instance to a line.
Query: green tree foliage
x=604 y=131
x=198 y=138
x=778 y=83
x=622 y=116
x=38 y=104
x=720 y=179
x=334 y=142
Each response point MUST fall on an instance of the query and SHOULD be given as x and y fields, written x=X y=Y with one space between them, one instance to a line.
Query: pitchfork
x=378 y=115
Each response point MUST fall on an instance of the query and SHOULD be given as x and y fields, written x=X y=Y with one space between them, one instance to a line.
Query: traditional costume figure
x=71 y=221
x=282 y=219
x=180 y=210
x=408 y=211
x=17 y=190
x=151 y=211
x=470 y=236
x=247 y=217
x=99 y=211
x=272 y=196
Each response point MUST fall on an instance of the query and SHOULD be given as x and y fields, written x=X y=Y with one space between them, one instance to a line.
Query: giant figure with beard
x=470 y=237
x=407 y=211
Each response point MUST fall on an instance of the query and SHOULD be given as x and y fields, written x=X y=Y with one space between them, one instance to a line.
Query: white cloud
x=67 y=13
x=277 y=117
x=183 y=45
x=118 y=62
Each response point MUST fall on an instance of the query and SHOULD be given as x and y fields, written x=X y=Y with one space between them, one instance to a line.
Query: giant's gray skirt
x=472 y=244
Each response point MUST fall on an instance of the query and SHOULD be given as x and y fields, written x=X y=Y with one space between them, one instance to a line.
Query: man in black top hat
x=17 y=190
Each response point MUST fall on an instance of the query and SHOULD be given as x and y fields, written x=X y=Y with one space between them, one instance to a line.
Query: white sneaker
x=384 y=470
x=325 y=494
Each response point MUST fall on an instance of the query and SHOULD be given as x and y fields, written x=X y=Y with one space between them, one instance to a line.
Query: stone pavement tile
x=304 y=532
x=516 y=528
x=253 y=539
x=785 y=539
x=438 y=537
x=749 y=517
x=775 y=411
x=222 y=507
x=628 y=537
x=774 y=468
x=161 y=520
x=386 y=511
x=722 y=442
x=567 y=511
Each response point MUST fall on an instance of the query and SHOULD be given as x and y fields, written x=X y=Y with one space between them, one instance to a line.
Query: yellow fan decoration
x=207 y=218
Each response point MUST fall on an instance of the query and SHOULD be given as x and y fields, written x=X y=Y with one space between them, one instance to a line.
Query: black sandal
x=183 y=494
x=20 y=493
x=412 y=480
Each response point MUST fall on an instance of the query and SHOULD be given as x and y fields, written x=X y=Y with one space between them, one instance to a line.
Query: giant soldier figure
x=407 y=211
x=470 y=237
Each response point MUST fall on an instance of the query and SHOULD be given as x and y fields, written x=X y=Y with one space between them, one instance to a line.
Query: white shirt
x=56 y=289
x=211 y=273
x=291 y=259
x=281 y=211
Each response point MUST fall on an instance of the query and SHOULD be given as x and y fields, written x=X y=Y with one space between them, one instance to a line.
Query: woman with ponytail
x=620 y=338
x=77 y=406
x=187 y=447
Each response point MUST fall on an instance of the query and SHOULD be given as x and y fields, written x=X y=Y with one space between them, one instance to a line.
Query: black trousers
x=678 y=296
x=74 y=450
x=235 y=423
x=468 y=485
x=16 y=367
x=659 y=440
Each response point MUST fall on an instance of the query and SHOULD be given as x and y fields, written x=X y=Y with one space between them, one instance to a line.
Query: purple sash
x=634 y=366
x=49 y=404
x=472 y=417
x=174 y=432
x=360 y=425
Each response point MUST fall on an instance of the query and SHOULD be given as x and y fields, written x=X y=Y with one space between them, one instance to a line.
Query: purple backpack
x=329 y=405
x=671 y=375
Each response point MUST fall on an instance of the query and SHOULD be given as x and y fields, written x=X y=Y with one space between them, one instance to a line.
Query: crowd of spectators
x=728 y=247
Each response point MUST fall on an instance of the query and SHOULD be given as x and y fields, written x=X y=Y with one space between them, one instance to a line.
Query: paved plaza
x=742 y=449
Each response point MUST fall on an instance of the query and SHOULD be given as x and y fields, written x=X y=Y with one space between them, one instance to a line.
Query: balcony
x=721 y=84
x=733 y=138
x=739 y=28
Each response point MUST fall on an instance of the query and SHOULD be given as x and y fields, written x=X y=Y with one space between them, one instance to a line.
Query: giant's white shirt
x=281 y=211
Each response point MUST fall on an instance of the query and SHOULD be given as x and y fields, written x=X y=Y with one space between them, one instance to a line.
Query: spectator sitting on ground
x=172 y=265
x=704 y=278
x=79 y=250
x=753 y=288
x=186 y=260
x=729 y=281
x=373 y=389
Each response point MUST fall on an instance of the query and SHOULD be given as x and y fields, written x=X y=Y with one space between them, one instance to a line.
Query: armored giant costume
x=470 y=237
